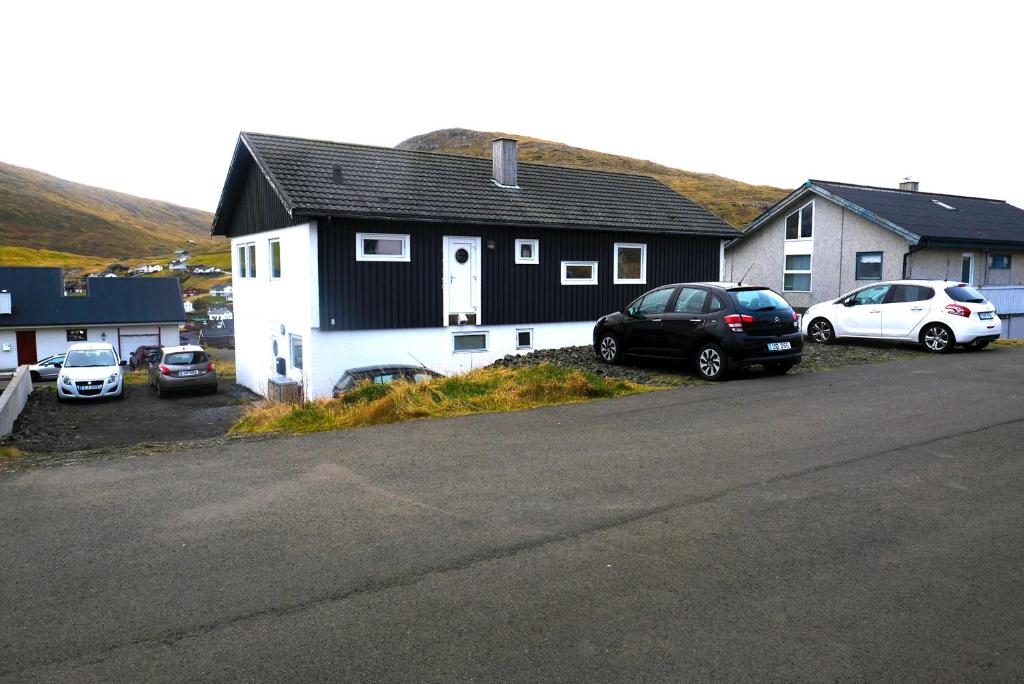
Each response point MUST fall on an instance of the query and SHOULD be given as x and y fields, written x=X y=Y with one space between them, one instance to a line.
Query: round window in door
x=461 y=255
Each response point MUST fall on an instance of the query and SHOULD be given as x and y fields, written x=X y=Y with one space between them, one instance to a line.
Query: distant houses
x=189 y=306
x=201 y=269
x=178 y=266
x=220 y=313
x=225 y=291
x=148 y=268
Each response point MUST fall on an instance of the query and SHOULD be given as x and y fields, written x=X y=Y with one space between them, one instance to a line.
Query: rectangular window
x=630 y=264
x=998 y=262
x=295 y=342
x=797 y=276
x=524 y=338
x=250 y=258
x=241 y=261
x=527 y=251
x=800 y=224
x=579 y=273
x=77 y=336
x=869 y=266
x=381 y=247
x=469 y=342
x=275 y=258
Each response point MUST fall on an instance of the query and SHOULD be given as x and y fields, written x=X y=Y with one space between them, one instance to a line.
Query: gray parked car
x=183 y=368
x=46 y=369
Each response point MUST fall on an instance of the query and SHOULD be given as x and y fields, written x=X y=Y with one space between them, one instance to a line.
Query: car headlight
x=112 y=378
x=65 y=380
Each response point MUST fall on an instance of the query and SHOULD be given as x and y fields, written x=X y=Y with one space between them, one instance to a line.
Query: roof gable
x=314 y=178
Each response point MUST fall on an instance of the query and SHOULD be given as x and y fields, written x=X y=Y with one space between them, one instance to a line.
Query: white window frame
x=241 y=250
x=292 y=340
x=799 y=223
x=250 y=259
x=535 y=259
x=642 y=280
x=809 y=272
x=404 y=256
x=579 y=281
x=270 y=258
x=466 y=333
x=519 y=331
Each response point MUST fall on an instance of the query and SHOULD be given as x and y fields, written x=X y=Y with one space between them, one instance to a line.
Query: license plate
x=90 y=385
x=985 y=315
x=779 y=346
x=189 y=372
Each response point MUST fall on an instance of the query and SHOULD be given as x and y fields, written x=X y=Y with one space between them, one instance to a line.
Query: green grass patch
x=487 y=390
x=10 y=451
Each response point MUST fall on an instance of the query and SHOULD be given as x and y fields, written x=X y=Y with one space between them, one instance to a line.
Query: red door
x=26 y=340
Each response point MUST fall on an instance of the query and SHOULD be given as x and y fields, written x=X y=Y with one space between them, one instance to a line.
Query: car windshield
x=964 y=293
x=89 y=358
x=186 y=358
x=758 y=300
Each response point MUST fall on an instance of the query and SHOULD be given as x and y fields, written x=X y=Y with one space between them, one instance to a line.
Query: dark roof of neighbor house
x=315 y=178
x=37 y=299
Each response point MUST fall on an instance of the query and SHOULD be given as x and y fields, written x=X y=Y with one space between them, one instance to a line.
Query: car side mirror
x=850 y=302
x=58 y=364
x=123 y=363
x=631 y=312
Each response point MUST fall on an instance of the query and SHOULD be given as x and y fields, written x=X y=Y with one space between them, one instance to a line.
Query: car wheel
x=937 y=338
x=160 y=393
x=977 y=345
x=34 y=376
x=711 y=362
x=779 y=368
x=821 y=331
x=609 y=348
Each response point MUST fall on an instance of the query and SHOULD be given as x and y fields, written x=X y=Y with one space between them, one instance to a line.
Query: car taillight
x=164 y=370
x=210 y=366
x=736 y=321
x=796 y=316
x=958 y=310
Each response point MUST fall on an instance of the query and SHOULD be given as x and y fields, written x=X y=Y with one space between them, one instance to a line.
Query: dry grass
x=10 y=452
x=487 y=390
x=1010 y=343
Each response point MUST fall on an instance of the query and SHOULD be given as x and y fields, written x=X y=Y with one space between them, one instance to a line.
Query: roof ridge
x=907 y=192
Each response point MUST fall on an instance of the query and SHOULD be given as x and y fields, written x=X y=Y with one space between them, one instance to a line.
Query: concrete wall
x=14 y=398
x=945 y=264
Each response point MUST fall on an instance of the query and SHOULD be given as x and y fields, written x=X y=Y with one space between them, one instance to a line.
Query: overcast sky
x=148 y=98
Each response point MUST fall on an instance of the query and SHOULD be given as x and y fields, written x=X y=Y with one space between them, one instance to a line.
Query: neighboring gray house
x=825 y=239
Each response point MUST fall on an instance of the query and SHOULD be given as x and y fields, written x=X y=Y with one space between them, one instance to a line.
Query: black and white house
x=350 y=255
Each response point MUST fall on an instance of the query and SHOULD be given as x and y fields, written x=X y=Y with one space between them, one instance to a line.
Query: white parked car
x=935 y=313
x=91 y=370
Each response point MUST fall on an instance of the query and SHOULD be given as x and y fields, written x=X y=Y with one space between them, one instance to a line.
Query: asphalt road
x=865 y=523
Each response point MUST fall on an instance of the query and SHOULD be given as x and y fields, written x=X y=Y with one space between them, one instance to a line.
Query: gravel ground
x=816 y=357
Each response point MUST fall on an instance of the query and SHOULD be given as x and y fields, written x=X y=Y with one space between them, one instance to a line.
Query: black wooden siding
x=258 y=207
x=367 y=295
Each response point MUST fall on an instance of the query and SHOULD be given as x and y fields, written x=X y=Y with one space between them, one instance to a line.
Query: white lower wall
x=55 y=340
x=8 y=350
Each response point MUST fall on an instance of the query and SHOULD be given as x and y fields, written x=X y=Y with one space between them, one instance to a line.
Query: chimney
x=908 y=185
x=503 y=153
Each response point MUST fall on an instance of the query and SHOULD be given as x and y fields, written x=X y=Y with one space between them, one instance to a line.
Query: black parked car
x=718 y=325
x=383 y=375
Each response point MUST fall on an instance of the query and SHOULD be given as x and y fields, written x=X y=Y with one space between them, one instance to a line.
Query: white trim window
x=382 y=247
x=469 y=342
x=527 y=251
x=240 y=267
x=274 y=254
x=800 y=224
x=250 y=258
x=295 y=350
x=797 y=274
x=524 y=338
x=579 y=273
x=630 y=261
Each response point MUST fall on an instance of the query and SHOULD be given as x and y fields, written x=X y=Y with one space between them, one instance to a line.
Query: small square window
x=800 y=224
x=469 y=342
x=869 y=266
x=527 y=251
x=579 y=273
x=797 y=274
x=275 y=258
x=630 y=264
x=382 y=247
x=524 y=338
x=295 y=343
x=998 y=262
x=77 y=336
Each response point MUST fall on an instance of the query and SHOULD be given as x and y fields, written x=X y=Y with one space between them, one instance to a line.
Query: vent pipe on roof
x=908 y=185
x=504 y=152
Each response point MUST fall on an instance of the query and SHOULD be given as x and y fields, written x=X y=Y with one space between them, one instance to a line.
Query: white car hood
x=93 y=373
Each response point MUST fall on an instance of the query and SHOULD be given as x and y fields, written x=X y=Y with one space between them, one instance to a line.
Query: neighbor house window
x=250 y=258
x=579 y=273
x=381 y=247
x=469 y=342
x=630 y=264
x=869 y=266
x=527 y=251
x=998 y=262
x=295 y=343
x=524 y=338
x=275 y=258
x=797 y=276
x=241 y=261
x=77 y=336
x=800 y=224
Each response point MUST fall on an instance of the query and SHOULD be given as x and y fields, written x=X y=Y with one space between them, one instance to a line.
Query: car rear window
x=964 y=293
x=185 y=358
x=758 y=300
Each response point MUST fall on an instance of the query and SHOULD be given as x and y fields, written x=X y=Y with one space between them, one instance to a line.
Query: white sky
x=148 y=98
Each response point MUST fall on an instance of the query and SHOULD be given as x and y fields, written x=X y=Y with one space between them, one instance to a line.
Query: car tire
x=609 y=348
x=60 y=398
x=976 y=345
x=711 y=362
x=779 y=368
x=821 y=331
x=937 y=338
x=34 y=376
x=160 y=393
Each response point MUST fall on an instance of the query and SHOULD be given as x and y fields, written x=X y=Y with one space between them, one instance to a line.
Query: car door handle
x=656 y=320
x=695 y=320
x=875 y=311
x=917 y=308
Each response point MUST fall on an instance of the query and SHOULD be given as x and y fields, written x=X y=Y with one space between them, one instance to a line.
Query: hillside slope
x=736 y=202
x=40 y=211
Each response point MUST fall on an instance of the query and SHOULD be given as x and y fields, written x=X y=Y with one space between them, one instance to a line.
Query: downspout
x=842 y=233
x=907 y=268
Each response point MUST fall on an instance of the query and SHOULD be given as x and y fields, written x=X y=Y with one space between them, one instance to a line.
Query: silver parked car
x=46 y=369
x=187 y=367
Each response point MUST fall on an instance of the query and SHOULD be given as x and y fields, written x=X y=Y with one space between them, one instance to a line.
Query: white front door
x=462 y=280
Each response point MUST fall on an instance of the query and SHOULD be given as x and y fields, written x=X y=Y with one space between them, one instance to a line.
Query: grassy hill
x=42 y=212
x=736 y=202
